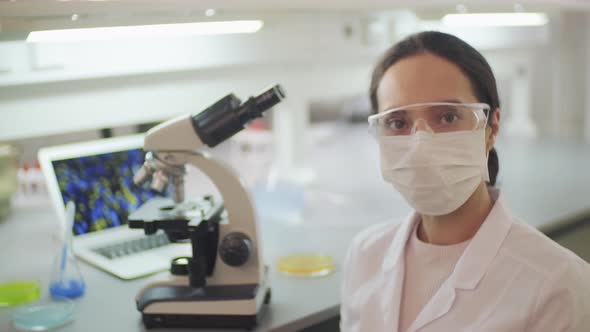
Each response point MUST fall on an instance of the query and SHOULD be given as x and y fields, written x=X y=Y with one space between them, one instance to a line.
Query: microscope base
x=175 y=306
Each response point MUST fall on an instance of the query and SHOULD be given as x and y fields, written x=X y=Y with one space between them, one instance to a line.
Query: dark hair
x=455 y=50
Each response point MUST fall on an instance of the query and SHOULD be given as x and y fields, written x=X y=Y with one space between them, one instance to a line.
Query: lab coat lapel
x=393 y=274
x=471 y=267
x=482 y=249
x=440 y=304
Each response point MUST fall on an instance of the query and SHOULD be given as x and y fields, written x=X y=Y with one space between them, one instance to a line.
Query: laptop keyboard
x=130 y=247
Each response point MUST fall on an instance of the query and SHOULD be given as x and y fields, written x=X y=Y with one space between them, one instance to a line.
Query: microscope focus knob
x=235 y=249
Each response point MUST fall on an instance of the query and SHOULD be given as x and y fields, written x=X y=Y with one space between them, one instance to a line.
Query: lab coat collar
x=468 y=272
x=478 y=255
x=484 y=246
x=393 y=279
x=472 y=265
x=396 y=250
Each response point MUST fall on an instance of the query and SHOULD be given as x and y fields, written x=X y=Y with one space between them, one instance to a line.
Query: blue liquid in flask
x=70 y=288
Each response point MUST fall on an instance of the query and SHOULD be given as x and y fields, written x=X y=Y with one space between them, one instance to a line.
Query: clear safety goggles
x=433 y=117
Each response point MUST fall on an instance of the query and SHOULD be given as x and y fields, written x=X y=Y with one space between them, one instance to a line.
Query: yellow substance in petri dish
x=306 y=265
x=18 y=292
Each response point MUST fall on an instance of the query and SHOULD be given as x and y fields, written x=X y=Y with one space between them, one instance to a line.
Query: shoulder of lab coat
x=563 y=299
x=372 y=245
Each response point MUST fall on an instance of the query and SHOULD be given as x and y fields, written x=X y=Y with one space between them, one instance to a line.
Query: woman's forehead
x=423 y=78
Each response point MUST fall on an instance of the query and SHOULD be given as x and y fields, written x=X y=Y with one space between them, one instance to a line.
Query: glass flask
x=66 y=279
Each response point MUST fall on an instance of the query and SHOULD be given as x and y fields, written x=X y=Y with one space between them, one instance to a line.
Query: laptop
x=98 y=177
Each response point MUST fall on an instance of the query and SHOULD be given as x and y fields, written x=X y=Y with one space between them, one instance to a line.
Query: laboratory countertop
x=29 y=247
x=544 y=183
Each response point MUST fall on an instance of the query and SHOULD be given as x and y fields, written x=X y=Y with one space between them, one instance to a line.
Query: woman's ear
x=492 y=129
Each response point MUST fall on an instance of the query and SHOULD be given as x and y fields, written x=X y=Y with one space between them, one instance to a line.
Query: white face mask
x=435 y=173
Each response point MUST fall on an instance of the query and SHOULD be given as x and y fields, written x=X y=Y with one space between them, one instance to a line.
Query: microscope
x=224 y=284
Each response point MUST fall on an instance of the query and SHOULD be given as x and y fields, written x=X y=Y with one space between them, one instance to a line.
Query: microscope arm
x=240 y=214
x=177 y=134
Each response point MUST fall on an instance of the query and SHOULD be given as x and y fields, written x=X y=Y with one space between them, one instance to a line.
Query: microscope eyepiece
x=228 y=116
x=269 y=98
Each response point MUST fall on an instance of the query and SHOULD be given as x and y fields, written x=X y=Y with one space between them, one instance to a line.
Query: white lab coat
x=511 y=277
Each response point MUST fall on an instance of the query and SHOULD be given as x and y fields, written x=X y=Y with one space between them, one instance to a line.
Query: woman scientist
x=461 y=261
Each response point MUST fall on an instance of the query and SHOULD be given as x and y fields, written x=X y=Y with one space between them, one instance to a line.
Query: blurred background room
x=310 y=165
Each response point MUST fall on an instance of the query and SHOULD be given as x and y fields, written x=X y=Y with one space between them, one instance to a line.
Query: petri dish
x=43 y=315
x=18 y=292
x=306 y=265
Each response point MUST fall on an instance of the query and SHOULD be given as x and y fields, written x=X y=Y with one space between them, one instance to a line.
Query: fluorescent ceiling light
x=145 y=31
x=495 y=19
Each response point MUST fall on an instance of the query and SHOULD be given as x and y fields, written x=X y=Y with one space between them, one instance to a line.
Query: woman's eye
x=449 y=118
x=397 y=124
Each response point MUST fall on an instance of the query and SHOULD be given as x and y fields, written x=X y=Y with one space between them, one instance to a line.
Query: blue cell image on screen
x=102 y=188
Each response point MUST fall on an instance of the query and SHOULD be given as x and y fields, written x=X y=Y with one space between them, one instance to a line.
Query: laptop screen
x=102 y=188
